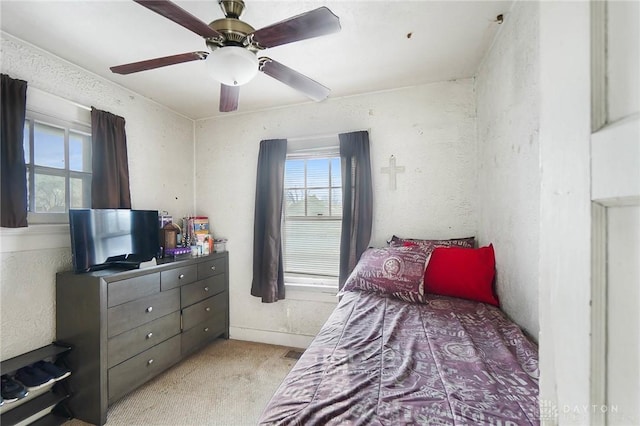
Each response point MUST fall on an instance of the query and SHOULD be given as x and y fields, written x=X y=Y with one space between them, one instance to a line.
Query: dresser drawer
x=142 y=367
x=119 y=292
x=200 y=290
x=204 y=332
x=211 y=267
x=130 y=343
x=176 y=277
x=204 y=310
x=130 y=315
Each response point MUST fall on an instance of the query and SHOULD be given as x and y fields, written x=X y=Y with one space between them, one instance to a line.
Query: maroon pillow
x=429 y=245
x=398 y=271
x=462 y=272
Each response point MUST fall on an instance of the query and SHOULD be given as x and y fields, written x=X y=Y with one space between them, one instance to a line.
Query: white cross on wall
x=392 y=170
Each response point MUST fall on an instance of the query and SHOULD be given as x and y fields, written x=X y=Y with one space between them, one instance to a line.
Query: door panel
x=615 y=183
x=623 y=321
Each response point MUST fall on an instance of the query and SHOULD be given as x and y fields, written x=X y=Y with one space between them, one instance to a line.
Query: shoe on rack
x=11 y=390
x=56 y=371
x=33 y=378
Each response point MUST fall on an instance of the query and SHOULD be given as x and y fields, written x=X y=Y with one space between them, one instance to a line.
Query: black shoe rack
x=44 y=406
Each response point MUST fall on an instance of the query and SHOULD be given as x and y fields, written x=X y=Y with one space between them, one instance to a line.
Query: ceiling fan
x=233 y=45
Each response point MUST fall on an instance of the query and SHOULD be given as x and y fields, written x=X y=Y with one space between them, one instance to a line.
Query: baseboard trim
x=270 y=337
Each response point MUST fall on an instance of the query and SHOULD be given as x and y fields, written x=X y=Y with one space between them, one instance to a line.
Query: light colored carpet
x=227 y=383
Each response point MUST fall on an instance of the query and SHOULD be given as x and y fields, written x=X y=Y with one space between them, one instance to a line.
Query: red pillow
x=462 y=272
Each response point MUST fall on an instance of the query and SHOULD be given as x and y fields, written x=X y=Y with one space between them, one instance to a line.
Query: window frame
x=317 y=148
x=69 y=127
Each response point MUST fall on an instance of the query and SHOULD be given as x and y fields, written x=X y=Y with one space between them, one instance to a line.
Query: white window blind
x=312 y=213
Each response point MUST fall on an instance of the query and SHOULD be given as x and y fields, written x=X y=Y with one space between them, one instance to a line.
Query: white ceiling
x=382 y=45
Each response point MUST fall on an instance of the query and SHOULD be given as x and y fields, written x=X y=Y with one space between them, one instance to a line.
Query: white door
x=615 y=194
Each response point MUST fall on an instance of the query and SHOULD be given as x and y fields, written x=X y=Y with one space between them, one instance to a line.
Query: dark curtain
x=357 y=200
x=13 y=198
x=110 y=166
x=268 y=268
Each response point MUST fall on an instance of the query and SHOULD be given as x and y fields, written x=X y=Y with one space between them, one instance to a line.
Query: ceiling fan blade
x=315 y=23
x=229 y=98
x=158 y=62
x=294 y=79
x=180 y=16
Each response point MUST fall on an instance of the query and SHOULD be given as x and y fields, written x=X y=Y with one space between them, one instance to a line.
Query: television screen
x=103 y=238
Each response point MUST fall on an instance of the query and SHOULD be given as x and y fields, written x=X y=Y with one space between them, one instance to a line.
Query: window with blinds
x=312 y=216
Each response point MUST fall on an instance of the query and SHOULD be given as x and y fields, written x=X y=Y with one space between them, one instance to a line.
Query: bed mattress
x=381 y=360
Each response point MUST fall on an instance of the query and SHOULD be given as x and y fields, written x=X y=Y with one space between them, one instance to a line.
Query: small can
x=220 y=245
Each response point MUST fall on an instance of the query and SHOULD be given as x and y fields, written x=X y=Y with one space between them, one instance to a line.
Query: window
x=58 y=159
x=312 y=216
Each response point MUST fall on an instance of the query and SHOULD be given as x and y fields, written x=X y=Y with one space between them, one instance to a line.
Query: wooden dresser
x=126 y=327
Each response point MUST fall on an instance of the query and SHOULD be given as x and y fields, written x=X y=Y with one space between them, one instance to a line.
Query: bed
x=389 y=360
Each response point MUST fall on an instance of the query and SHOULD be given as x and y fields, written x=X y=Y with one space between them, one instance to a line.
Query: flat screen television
x=113 y=238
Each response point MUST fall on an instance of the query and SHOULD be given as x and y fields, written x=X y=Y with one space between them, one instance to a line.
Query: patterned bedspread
x=384 y=361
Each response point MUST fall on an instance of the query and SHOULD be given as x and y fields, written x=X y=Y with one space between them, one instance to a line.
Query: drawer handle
x=213 y=268
x=206 y=329
x=208 y=309
x=206 y=289
x=150 y=361
x=181 y=276
x=149 y=309
x=149 y=336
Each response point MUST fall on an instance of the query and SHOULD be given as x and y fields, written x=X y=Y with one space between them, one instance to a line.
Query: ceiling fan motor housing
x=234 y=31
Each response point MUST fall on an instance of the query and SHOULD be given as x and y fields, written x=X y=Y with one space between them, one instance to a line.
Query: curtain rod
x=308 y=138
x=324 y=136
x=44 y=92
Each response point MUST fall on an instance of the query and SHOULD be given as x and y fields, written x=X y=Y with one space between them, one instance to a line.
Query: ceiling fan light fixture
x=232 y=65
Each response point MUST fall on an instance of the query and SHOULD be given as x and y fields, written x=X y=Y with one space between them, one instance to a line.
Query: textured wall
x=509 y=155
x=159 y=141
x=160 y=145
x=27 y=298
x=431 y=131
